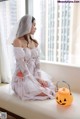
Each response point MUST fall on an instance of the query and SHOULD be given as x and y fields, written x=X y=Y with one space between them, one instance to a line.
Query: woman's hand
x=20 y=75
x=43 y=83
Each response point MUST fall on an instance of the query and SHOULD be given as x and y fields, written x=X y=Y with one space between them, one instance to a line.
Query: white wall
x=67 y=73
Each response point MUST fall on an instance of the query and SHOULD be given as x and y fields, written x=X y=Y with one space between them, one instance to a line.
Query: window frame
x=30 y=11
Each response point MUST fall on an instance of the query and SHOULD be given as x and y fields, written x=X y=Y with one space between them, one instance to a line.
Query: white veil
x=20 y=29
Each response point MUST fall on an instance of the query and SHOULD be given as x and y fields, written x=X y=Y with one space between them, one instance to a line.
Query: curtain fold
x=10 y=12
x=5 y=72
x=75 y=34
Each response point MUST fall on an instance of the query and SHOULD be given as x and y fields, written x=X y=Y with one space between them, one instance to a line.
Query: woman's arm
x=37 y=67
x=20 y=59
x=38 y=73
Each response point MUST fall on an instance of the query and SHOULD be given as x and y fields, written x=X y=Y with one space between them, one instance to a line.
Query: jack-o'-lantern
x=63 y=95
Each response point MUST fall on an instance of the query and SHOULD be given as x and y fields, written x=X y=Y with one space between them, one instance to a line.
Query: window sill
x=60 y=64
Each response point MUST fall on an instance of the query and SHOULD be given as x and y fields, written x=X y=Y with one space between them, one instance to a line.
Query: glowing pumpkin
x=64 y=96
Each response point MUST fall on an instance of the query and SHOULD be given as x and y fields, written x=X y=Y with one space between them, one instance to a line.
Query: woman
x=28 y=82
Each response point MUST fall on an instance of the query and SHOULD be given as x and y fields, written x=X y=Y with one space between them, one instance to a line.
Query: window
x=54 y=31
x=10 y=12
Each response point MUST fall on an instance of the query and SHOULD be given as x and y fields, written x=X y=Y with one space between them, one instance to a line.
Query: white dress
x=27 y=87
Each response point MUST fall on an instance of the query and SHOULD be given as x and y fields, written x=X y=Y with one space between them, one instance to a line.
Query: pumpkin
x=64 y=96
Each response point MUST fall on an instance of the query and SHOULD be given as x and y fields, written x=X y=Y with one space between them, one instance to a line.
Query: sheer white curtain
x=75 y=35
x=5 y=72
x=4 y=62
x=0 y=58
x=10 y=12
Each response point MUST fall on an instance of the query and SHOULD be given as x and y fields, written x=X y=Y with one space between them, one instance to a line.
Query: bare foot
x=42 y=94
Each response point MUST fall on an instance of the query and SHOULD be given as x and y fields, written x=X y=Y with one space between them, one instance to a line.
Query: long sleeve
x=37 y=68
x=20 y=61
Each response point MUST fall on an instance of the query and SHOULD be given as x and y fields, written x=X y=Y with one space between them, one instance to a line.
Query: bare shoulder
x=17 y=43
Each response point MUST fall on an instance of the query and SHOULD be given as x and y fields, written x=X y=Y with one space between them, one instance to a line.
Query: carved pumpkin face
x=64 y=97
